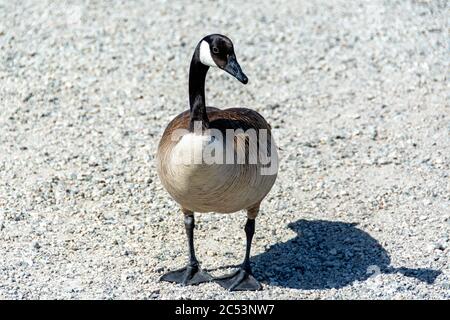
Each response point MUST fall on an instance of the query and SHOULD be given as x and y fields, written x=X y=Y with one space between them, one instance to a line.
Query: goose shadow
x=327 y=254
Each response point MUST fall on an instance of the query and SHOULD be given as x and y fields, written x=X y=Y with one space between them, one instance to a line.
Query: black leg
x=189 y=224
x=191 y=274
x=249 y=232
x=243 y=278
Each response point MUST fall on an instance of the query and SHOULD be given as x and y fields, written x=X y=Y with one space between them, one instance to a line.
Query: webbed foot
x=241 y=280
x=190 y=275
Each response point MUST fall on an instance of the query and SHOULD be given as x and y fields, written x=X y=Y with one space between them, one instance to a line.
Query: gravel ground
x=357 y=94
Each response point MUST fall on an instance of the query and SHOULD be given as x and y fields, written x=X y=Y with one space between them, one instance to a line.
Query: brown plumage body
x=222 y=188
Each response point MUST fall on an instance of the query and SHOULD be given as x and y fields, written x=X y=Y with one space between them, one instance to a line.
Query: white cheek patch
x=205 y=54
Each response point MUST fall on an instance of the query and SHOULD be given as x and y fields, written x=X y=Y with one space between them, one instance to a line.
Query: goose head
x=216 y=50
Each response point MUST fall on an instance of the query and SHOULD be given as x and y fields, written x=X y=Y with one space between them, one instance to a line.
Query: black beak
x=233 y=68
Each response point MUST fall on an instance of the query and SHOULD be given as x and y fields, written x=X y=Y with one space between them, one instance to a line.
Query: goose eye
x=215 y=50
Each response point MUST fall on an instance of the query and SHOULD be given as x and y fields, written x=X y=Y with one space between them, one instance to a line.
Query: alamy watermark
x=232 y=147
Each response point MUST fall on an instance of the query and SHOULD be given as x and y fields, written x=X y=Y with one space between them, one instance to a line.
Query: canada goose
x=215 y=187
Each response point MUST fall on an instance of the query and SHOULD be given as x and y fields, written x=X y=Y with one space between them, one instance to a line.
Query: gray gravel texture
x=357 y=94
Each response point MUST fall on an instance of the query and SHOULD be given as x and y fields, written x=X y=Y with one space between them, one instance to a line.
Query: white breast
x=215 y=187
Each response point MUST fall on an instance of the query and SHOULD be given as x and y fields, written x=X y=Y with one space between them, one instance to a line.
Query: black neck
x=197 y=75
